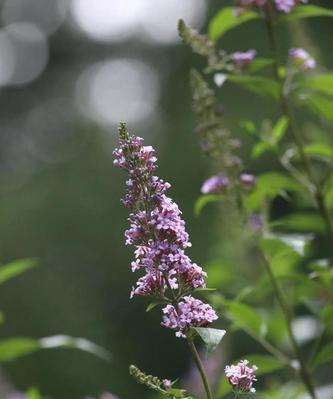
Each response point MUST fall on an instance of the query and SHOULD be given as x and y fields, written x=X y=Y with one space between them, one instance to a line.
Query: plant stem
x=314 y=187
x=200 y=367
x=303 y=371
x=193 y=349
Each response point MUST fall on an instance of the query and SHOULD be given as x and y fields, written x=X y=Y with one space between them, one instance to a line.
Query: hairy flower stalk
x=158 y=233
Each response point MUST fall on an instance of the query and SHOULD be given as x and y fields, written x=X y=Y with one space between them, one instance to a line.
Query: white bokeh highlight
x=153 y=20
x=118 y=89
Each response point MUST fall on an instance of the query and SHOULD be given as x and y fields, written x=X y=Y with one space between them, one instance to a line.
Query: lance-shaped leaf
x=15 y=268
x=306 y=11
x=204 y=200
x=256 y=84
x=246 y=317
x=322 y=83
x=321 y=105
x=210 y=336
x=325 y=355
x=13 y=348
x=228 y=19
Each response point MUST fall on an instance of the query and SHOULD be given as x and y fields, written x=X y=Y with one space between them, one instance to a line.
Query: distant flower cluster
x=241 y=377
x=302 y=58
x=242 y=59
x=285 y=6
x=158 y=233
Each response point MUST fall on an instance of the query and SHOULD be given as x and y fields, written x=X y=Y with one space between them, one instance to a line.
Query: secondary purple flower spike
x=241 y=377
x=215 y=184
x=158 y=233
x=302 y=58
x=242 y=59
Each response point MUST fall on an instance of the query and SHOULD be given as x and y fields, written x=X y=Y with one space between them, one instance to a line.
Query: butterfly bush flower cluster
x=158 y=233
x=241 y=377
x=302 y=58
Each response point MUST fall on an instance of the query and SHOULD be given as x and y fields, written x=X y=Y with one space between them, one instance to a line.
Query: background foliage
x=59 y=201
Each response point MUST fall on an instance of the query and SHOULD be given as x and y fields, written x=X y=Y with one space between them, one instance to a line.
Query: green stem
x=313 y=186
x=303 y=371
x=200 y=368
x=193 y=349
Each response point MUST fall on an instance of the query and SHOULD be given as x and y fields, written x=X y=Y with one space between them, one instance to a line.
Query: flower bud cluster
x=241 y=377
x=158 y=233
x=302 y=58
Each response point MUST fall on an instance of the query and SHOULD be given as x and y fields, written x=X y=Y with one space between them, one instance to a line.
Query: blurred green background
x=69 y=71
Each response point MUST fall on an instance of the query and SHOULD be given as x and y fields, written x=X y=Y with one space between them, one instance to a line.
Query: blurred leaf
x=325 y=355
x=210 y=336
x=280 y=129
x=15 y=268
x=301 y=222
x=246 y=316
x=322 y=83
x=298 y=242
x=320 y=105
x=270 y=185
x=326 y=315
x=257 y=64
x=204 y=200
x=320 y=151
x=257 y=84
x=227 y=19
x=12 y=348
x=33 y=393
x=206 y=289
x=306 y=11
x=2 y=317
x=265 y=363
x=224 y=387
x=260 y=148
x=65 y=341
x=153 y=305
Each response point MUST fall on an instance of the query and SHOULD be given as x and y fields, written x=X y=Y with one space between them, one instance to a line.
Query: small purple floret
x=247 y=180
x=215 y=184
x=242 y=59
x=241 y=377
x=302 y=58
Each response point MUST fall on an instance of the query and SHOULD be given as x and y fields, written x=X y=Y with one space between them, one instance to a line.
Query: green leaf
x=204 y=200
x=65 y=341
x=320 y=105
x=33 y=394
x=12 y=348
x=322 y=83
x=325 y=355
x=260 y=148
x=306 y=11
x=153 y=305
x=2 y=317
x=301 y=222
x=326 y=315
x=265 y=363
x=280 y=129
x=246 y=316
x=257 y=64
x=227 y=19
x=15 y=268
x=270 y=185
x=210 y=336
x=319 y=151
x=256 y=84
x=206 y=289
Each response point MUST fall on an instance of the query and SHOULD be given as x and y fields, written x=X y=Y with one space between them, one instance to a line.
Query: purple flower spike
x=241 y=377
x=215 y=184
x=158 y=233
x=242 y=59
x=302 y=58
